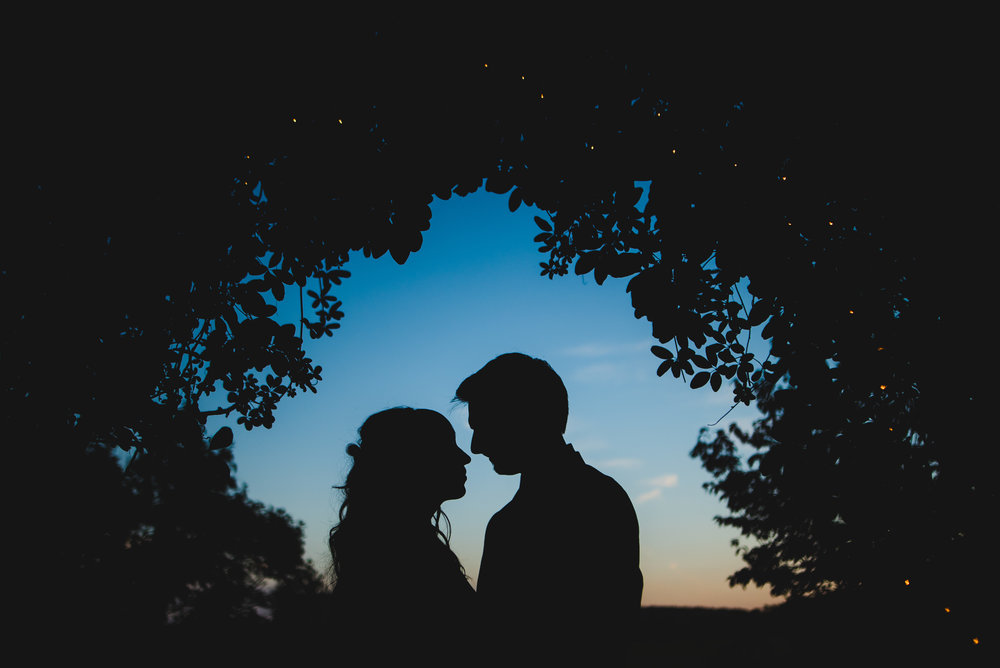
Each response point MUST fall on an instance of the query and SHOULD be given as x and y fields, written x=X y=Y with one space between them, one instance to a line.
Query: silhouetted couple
x=559 y=582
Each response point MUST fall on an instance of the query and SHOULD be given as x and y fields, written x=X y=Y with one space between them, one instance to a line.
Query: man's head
x=517 y=407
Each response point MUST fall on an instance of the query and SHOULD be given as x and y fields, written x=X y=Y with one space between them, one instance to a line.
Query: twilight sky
x=412 y=333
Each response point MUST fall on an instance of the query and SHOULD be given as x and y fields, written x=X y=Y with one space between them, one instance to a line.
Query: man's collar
x=558 y=460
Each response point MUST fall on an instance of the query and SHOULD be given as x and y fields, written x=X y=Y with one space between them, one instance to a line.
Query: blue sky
x=411 y=333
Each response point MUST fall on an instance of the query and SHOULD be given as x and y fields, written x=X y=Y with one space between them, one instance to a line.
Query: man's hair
x=515 y=379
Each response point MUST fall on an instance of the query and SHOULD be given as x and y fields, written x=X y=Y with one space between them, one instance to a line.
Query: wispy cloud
x=668 y=480
x=620 y=463
x=650 y=495
x=659 y=484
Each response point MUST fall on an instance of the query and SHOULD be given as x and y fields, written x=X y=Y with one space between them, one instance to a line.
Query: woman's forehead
x=438 y=425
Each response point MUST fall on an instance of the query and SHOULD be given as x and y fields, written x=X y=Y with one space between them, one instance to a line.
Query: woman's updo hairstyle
x=383 y=457
x=387 y=442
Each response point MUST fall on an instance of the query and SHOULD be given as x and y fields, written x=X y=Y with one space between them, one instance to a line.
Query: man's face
x=498 y=434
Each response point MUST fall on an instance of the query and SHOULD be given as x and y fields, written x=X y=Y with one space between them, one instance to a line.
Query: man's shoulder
x=607 y=488
x=508 y=513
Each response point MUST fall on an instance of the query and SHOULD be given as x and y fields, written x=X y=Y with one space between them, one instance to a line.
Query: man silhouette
x=560 y=567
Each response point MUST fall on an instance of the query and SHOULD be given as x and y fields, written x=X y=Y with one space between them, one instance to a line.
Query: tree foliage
x=827 y=217
x=165 y=234
x=170 y=539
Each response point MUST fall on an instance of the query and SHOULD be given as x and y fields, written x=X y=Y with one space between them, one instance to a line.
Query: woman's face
x=444 y=462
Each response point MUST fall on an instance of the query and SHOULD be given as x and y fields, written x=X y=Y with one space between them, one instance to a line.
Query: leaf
x=278 y=290
x=336 y=274
x=700 y=379
x=498 y=184
x=662 y=352
x=624 y=264
x=759 y=313
x=663 y=368
x=399 y=254
x=543 y=224
x=222 y=439
x=515 y=200
x=255 y=305
x=585 y=263
x=701 y=362
x=768 y=330
x=716 y=381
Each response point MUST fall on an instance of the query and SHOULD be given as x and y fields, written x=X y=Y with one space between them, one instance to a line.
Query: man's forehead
x=484 y=409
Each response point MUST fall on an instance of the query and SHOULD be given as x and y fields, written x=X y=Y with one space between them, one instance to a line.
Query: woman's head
x=406 y=464
x=408 y=454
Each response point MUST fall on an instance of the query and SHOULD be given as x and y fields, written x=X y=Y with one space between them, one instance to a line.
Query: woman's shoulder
x=404 y=567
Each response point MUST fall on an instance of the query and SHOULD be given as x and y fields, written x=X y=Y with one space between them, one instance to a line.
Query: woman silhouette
x=397 y=582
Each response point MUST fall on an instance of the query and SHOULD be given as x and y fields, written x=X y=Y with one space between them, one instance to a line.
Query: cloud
x=668 y=480
x=650 y=495
x=659 y=483
x=621 y=463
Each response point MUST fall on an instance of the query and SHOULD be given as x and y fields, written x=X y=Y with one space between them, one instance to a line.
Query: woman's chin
x=457 y=492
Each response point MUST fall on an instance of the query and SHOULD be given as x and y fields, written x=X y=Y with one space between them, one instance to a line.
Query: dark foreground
x=665 y=636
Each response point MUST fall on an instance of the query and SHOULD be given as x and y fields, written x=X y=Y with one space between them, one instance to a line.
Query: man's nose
x=474 y=445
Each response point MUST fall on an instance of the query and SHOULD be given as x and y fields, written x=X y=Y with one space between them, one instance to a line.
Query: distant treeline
x=806 y=633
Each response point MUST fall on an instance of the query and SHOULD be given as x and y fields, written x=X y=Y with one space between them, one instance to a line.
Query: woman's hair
x=382 y=456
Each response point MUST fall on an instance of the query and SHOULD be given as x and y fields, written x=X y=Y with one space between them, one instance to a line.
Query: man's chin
x=504 y=469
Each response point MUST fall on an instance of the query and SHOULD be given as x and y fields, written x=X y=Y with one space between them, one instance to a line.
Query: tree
x=165 y=237
x=170 y=539
x=793 y=191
